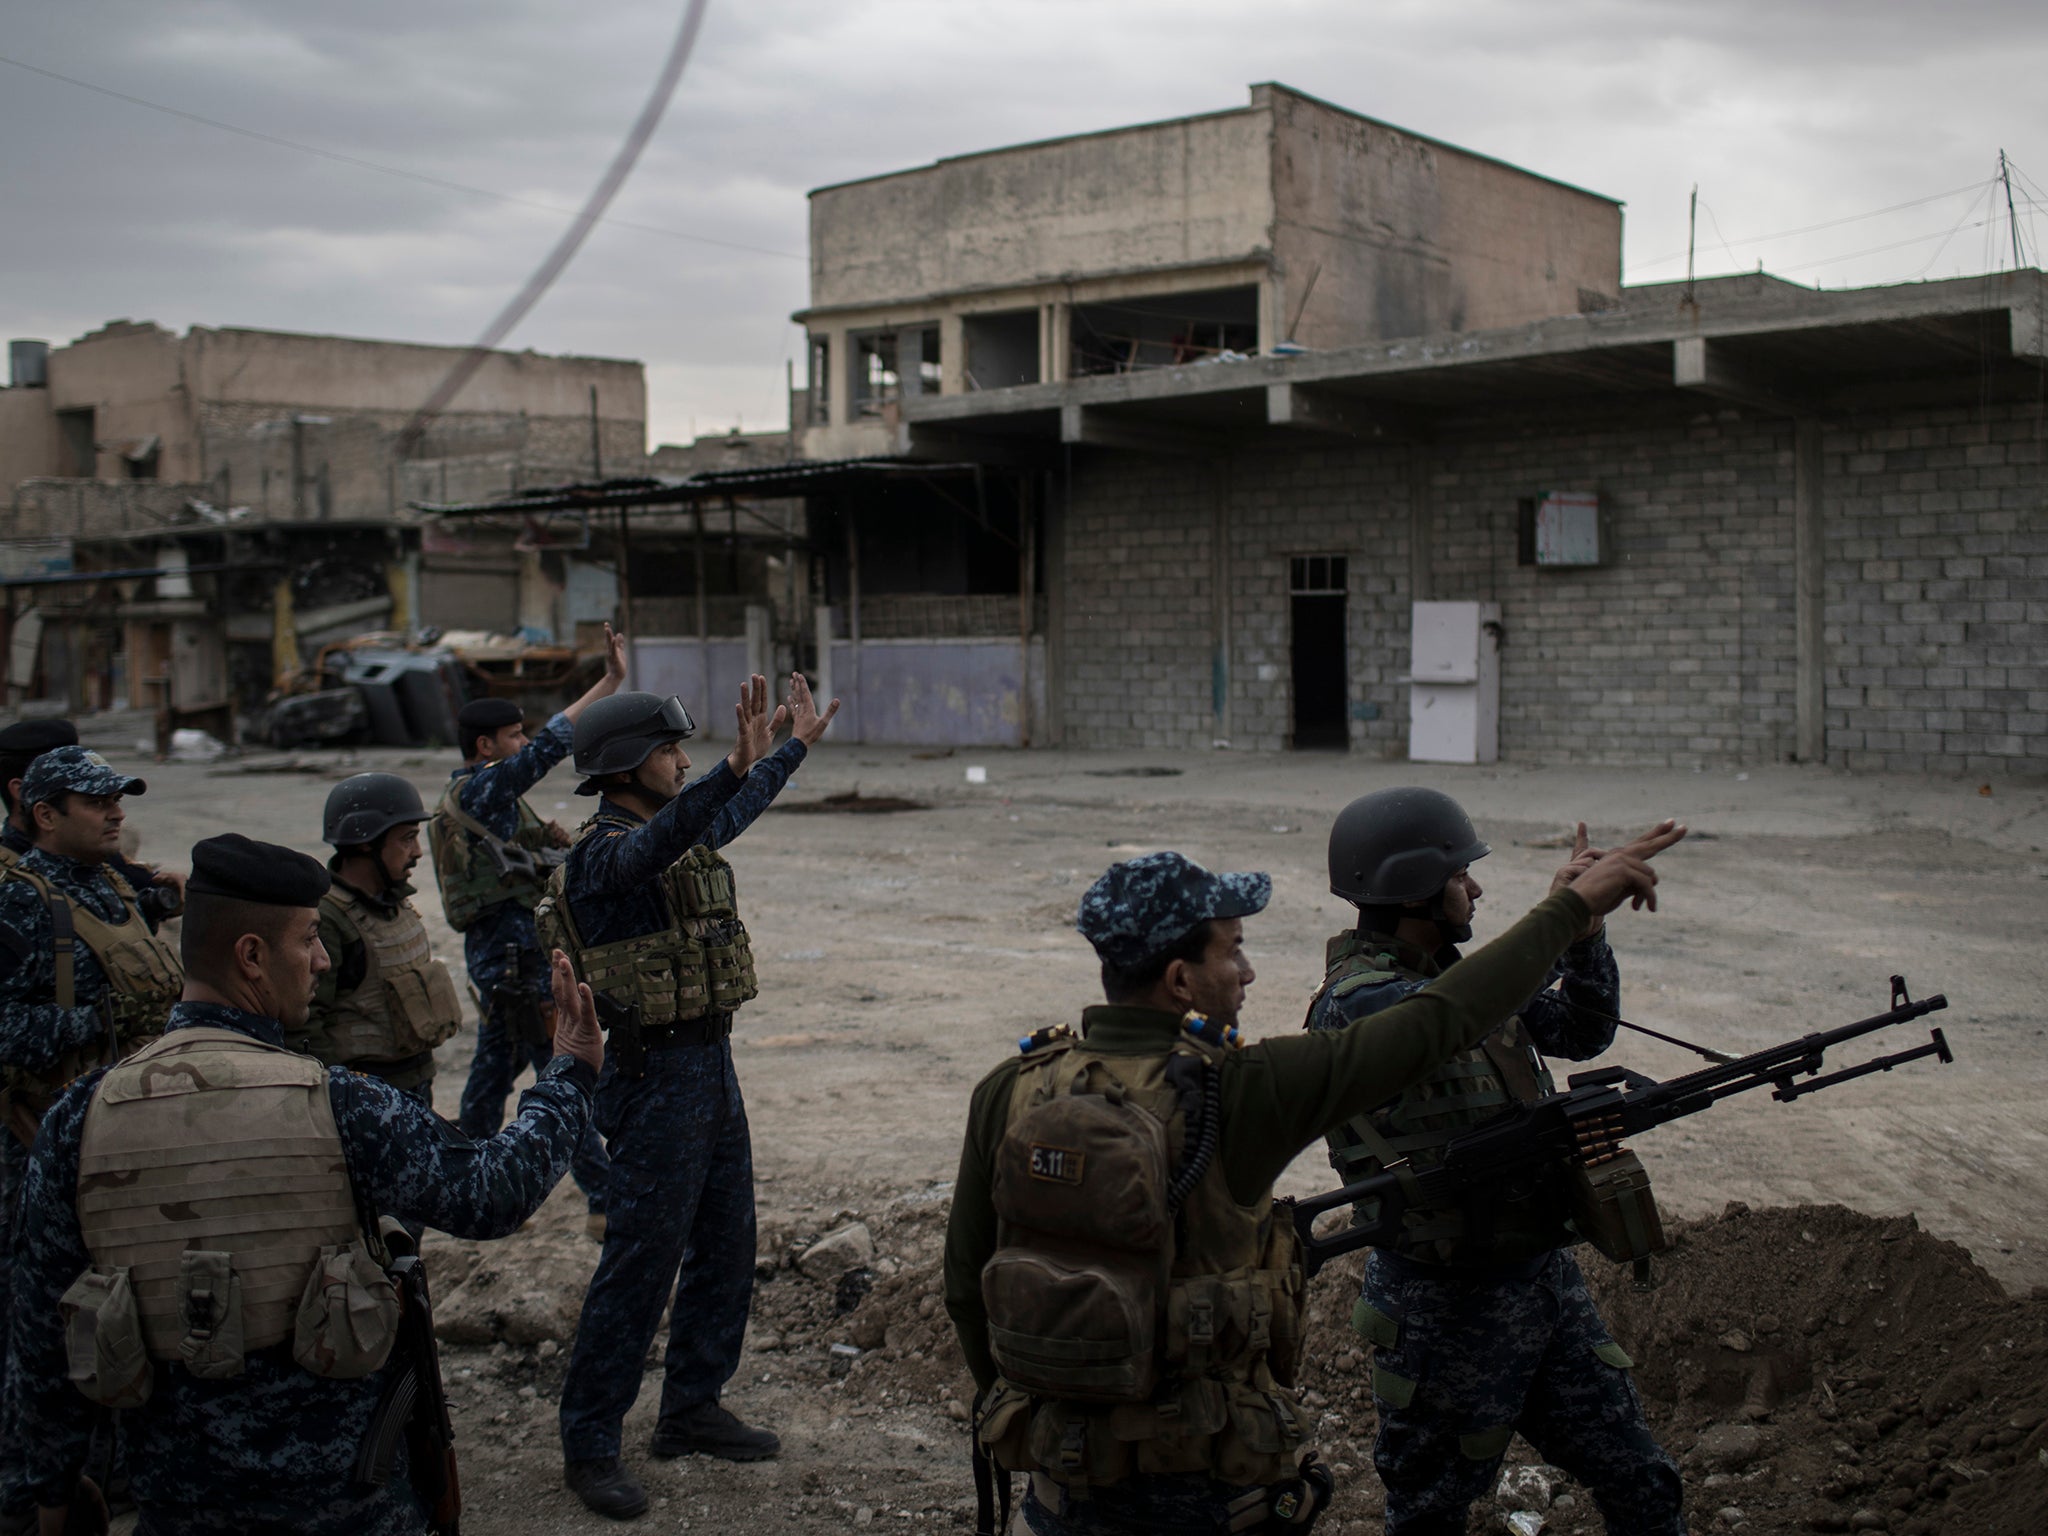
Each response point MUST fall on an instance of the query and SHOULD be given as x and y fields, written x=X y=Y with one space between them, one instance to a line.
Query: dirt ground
x=901 y=953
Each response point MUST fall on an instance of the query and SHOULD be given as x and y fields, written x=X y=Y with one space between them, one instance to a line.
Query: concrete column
x=1219 y=568
x=1421 y=528
x=1059 y=489
x=1054 y=346
x=952 y=355
x=1809 y=587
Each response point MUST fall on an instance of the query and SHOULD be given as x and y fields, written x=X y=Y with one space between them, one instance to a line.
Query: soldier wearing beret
x=485 y=838
x=160 y=892
x=1125 y=1296
x=249 y=1353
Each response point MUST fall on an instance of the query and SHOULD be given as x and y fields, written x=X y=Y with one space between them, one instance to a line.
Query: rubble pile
x=1813 y=1369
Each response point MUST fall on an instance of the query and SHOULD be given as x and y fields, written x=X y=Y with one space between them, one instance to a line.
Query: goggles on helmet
x=674 y=717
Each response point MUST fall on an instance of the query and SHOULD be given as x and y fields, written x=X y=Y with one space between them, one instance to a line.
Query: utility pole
x=2012 y=218
x=1692 y=229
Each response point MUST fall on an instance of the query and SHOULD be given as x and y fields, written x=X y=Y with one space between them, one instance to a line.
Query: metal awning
x=805 y=477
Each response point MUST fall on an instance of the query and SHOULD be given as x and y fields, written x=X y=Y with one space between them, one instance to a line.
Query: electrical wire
x=572 y=238
x=1854 y=218
x=360 y=163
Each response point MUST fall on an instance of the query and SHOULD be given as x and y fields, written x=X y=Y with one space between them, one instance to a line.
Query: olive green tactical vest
x=211 y=1143
x=1472 y=1087
x=406 y=1002
x=702 y=963
x=144 y=978
x=1182 y=1358
x=469 y=886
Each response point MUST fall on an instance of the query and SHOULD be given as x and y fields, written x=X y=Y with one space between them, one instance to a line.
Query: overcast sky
x=1787 y=114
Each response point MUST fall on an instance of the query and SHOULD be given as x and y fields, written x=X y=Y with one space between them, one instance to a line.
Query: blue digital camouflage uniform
x=492 y=797
x=271 y=1450
x=682 y=1191
x=35 y=1032
x=1465 y=1359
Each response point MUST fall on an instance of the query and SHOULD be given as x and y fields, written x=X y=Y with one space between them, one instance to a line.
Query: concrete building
x=1286 y=222
x=251 y=490
x=1814 y=524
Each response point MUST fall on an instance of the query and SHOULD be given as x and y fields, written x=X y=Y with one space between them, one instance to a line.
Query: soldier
x=159 y=892
x=1128 y=1301
x=384 y=1002
x=83 y=976
x=646 y=905
x=1480 y=1321
x=485 y=839
x=203 y=1290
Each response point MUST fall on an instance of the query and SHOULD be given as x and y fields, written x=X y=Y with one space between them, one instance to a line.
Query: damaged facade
x=193 y=518
x=1259 y=381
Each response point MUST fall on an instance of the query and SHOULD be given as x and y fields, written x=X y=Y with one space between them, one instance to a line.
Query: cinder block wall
x=1937 y=592
x=1681 y=652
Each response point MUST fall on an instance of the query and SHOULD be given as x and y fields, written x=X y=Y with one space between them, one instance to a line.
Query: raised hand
x=805 y=723
x=1625 y=874
x=576 y=1032
x=1584 y=856
x=614 y=658
x=754 y=729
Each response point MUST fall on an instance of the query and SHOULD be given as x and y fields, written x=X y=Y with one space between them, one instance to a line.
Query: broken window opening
x=1002 y=349
x=1167 y=331
x=889 y=365
x=80 y=456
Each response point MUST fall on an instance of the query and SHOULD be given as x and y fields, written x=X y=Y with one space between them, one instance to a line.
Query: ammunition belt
x=705 y=1029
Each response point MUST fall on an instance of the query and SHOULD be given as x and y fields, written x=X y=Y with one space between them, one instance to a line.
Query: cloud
x=1785 y=115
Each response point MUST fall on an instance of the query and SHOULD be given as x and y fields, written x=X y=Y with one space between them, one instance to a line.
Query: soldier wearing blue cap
x=84 y=978
x=159 y=892
x=491 y=860
x=1125 y=1296
x=203 y=1253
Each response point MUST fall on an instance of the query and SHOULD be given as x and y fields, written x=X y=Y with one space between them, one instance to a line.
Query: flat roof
x=1197 y=117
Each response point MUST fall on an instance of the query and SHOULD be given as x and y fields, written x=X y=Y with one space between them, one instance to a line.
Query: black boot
x=709 y=1430
x=606 y=1488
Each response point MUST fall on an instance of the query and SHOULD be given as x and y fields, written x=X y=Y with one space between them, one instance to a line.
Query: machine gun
x=1576 y=1136
x=414 y=1403
x=512 y=864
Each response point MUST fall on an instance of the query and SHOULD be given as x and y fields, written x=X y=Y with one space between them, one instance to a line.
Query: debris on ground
x=853 y=802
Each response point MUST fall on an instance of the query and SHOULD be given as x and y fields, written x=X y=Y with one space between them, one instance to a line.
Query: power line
x=1854 y=218
x=374 y=165
x=572 y=238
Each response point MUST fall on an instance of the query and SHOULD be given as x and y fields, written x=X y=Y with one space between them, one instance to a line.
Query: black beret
x=480 y=715
x=35 y=737
x=242 y=869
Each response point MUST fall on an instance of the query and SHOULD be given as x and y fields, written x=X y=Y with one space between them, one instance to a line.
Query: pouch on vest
x=210 y=1306
x=423 y=1006
x=348 y=1316
x=1075 y=1300
x=108 y=1360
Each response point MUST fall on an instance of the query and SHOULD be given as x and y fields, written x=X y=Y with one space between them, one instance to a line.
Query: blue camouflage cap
x=1148 y=904
x=79 y=769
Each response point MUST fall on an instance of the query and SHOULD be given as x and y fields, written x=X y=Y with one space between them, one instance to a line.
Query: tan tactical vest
x=210 y=1143
x=143 y=974
x=406 y=1002
x=1472 y=1087
x=463 y=872
x=703 y=962
x=1178 y=1337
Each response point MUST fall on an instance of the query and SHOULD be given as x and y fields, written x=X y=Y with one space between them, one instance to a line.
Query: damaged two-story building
x=1205 y=408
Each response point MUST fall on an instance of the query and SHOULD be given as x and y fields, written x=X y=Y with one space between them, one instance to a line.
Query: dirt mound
x=1814 y=1369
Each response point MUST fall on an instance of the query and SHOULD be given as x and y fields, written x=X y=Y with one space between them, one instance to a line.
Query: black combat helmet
x=1395 y=846
x=616 y=734
x=362 y=809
